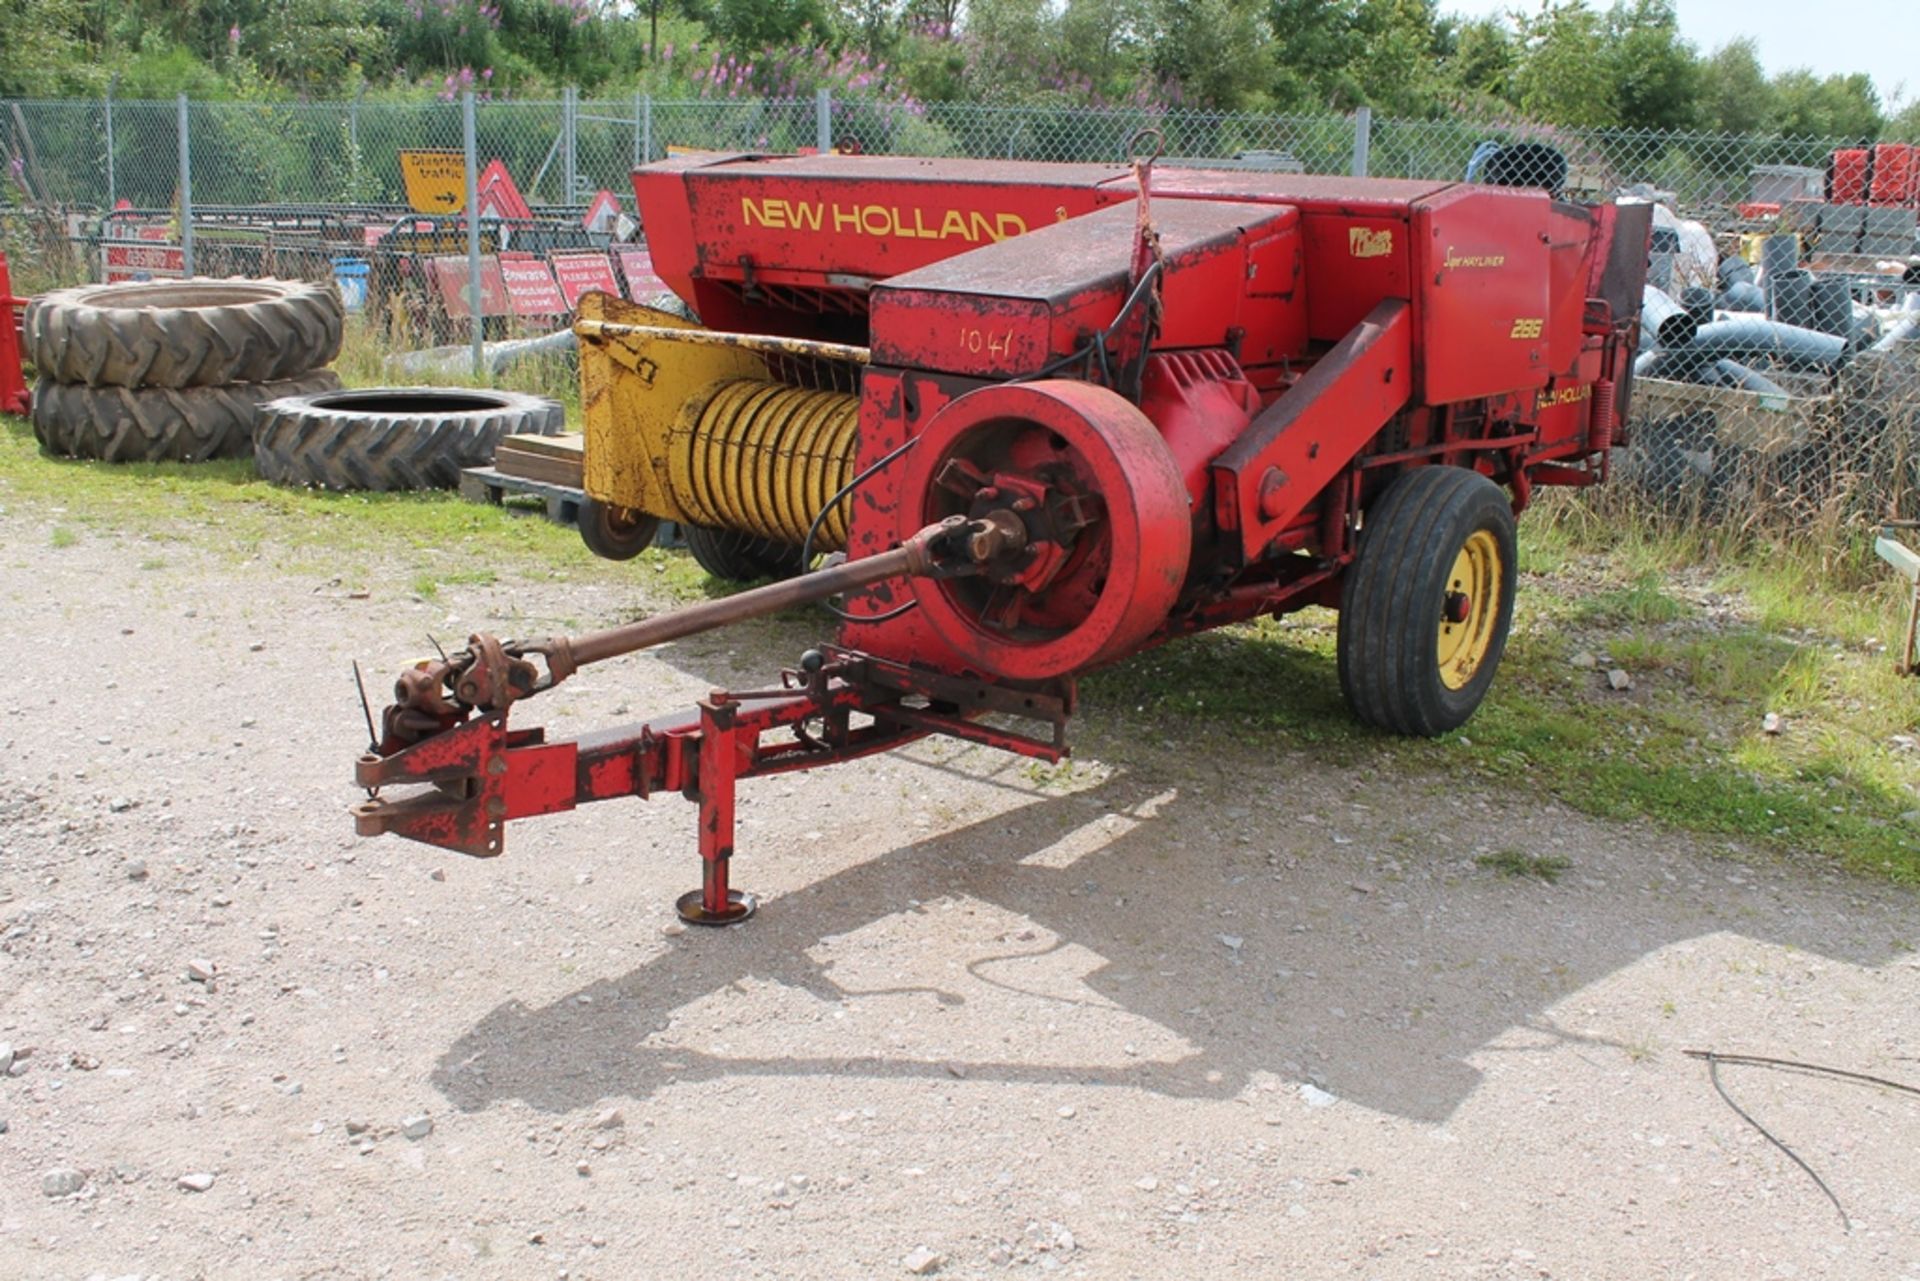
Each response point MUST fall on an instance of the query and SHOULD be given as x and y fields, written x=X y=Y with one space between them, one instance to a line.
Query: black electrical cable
x=1098 y=346
x=806 y=546
x=1714 y=1060
x=1713 y=1074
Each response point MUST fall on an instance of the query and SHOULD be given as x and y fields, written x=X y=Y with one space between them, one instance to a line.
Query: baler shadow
x=1228 y=965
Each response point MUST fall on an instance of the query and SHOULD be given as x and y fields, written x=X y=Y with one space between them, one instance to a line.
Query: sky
x=1828 y=37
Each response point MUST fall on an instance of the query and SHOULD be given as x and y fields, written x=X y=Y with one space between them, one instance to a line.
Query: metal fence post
x=186 y=190
x=639 y=110
x=469 y=138
x=823 y=121
x=1362 y=140
x=569 y=161
x=353 y=129
x=646 y=128
x=112 y=84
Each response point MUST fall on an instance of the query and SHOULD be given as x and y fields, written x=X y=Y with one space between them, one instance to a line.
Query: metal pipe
x=186 y=189
x=592 y=329
x=1777 y=253
x=1831 y=304
x=753 y=603
x=478 y=322
x=1744 y=337
x=1790 y=297
x=1665 y=319
x=1735 y=270
x=1743 y=295
x=1698 y=302
x=1906 y=331
x=1362 y=140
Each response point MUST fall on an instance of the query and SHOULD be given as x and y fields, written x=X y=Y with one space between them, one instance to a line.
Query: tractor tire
x=1428 y=601
x=388 y=438
x=741 y=557
x=158 y=424
x=184 y=333
x=615 y=533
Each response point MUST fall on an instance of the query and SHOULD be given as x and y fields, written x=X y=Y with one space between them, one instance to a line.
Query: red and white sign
x=601 y=213
x=499 y=195
x=142 y=262
x=450 y=278
x=530 y=287
x=581 y=273
x=637 y=266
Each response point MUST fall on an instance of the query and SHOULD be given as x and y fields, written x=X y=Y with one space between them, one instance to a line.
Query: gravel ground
x=1181 y=1012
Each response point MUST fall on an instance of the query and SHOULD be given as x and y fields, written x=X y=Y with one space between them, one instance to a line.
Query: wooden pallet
x=554 y=460
x=490 y=485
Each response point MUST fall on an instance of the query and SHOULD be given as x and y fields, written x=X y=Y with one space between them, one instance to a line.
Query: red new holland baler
x=1044 y=417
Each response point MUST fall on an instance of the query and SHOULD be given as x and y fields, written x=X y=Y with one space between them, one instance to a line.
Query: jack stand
x=714 y=904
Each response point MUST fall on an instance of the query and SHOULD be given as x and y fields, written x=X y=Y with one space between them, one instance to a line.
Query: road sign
x=530 y=287
x=450 y=276
x=436 y=180
x=578 y=273
x=637 y=266
x=142 y=262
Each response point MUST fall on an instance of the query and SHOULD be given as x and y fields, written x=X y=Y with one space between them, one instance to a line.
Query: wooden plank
x=569 y=445
x=555 y=460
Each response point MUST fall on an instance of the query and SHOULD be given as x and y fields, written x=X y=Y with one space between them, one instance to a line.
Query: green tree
x=1807 y=106
x=1565 y=76
x=1315 y=43
x=1483 y=59
x=1734 y=94
x=1656 y=74
x=1395 y=64
x=1216 y=50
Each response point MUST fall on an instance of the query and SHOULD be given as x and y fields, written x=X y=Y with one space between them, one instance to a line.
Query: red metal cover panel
x=1353 y=262
x=848 y=216
x=1005 y=309
x=1481 y=259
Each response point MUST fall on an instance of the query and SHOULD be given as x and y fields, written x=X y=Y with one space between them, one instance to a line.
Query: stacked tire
x=175 y=370
x=389 y=438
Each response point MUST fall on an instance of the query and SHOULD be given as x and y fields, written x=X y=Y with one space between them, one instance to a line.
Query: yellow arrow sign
x=436 y=181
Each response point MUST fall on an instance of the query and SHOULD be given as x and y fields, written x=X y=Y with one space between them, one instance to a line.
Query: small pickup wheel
x=739 y=556
x=615 y=533
x=1427 y=602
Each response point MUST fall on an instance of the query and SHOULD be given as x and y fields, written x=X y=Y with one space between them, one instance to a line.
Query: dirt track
x=1195 y=1013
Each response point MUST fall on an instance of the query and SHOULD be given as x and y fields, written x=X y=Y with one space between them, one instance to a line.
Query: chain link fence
x=1740 y=421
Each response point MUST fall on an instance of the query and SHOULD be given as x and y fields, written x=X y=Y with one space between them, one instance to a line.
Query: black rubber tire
x=393 y=437
x=741 y=557
x=159 y=424
x=1396 y=588
x=184 y=333
x=615 y=533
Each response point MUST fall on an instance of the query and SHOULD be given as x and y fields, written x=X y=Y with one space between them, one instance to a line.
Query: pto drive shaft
x=490 y=675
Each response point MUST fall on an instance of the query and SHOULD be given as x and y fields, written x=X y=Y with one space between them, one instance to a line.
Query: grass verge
x=1713 y=636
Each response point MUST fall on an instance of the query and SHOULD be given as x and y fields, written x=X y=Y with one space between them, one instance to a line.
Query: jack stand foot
x=740 y=905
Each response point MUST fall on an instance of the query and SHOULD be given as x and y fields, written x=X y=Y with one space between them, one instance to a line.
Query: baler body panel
x=1009 y=308
x=1480 y=256
x=1312 y=335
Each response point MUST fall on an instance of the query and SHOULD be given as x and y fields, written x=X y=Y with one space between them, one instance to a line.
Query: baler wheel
x=739 y=556
x=1427 y=601
x=615 y=533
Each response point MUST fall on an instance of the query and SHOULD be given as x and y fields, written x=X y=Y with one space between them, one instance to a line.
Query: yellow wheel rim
x=1470 y=609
